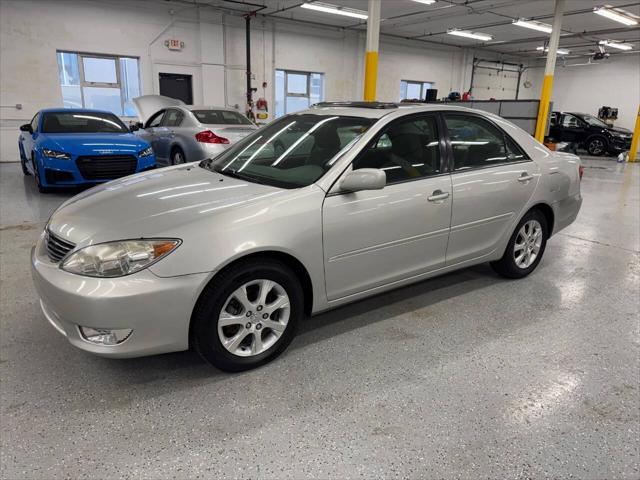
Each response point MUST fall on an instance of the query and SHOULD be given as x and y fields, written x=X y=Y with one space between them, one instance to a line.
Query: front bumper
x=157 y=309
x=618 y=145
x=65 y=173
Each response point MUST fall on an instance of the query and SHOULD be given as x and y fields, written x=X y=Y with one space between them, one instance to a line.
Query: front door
x=572 y=128
x=177 y=86
x=492 y=182
x=373 y=238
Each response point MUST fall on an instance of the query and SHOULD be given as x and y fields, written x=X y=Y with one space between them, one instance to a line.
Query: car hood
x=624 y=131
x=147 y=105
x=95 y=143
x=158 y=203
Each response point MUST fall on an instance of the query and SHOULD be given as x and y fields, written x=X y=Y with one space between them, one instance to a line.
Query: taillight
x=209 y=137
x=581 y=171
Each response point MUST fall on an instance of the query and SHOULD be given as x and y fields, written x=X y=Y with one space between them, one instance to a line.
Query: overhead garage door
x=491 y=82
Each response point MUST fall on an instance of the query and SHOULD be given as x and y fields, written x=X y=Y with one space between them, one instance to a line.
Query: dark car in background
x=589 y=132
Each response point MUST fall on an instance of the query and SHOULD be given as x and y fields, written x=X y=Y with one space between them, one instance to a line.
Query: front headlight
x=55 y=154
x=116 y=259
x=146 y=152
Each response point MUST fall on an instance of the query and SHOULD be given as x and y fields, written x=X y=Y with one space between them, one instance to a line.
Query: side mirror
x=364 y=179
x=26 y=128
x=134 y=127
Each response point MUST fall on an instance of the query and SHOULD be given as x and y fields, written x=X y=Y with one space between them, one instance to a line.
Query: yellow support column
x=635 y=142
x=371 y=57
x=547 y=84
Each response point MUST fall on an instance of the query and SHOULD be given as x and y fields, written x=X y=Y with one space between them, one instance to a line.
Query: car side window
x=477 y=143
x=34 y=122
x=406 y=150
x=155 y=120
x=173 y=118
x=570 y=121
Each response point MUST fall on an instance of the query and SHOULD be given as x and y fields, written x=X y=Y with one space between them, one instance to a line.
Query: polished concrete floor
x=464 y=376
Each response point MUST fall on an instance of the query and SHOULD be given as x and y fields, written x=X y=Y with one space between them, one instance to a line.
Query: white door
x=372 y=238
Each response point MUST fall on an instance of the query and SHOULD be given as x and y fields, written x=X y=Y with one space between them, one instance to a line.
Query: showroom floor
x=467 y=375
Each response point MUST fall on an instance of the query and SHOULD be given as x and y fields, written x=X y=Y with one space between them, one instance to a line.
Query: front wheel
x=596 y=146
x=177 y=156
x=247 y=315
x=526 y=247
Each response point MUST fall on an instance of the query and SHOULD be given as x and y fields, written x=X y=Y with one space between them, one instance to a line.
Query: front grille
x=57 y=248
x=106 y=167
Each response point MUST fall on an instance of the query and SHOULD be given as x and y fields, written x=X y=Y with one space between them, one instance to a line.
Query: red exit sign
x=174 y=44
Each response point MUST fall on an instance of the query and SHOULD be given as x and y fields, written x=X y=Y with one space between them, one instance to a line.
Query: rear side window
x=408 y=149
x=173 y=118
x=220 y=117
x=477 y=143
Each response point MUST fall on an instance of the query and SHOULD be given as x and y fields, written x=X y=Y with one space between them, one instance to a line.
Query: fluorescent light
x=559 y=51
x=467 y=34
x=426 y=2
x=533 y=25
x=328 y=8
x=619 y=46
x=616 y=15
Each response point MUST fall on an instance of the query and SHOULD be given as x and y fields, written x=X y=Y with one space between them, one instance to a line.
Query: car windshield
x=292 y=152
x=596 y=122
x=220 y=117
x=82 y=122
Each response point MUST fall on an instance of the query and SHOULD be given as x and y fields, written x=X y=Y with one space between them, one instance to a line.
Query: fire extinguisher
x=261 y=104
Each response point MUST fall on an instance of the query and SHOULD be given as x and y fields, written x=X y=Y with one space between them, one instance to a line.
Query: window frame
x=286 y=93
x=153 y=117
x=423 y=91
x=450 y=156
x=83 y=83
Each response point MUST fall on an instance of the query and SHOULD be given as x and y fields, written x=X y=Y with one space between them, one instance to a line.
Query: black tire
x=204 y=321
x=507 y=266
x=177 y=156
x=23 y=163
x=36 y=175
x=597 y=146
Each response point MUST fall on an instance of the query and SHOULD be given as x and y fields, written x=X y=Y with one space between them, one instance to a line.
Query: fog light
x=105 y=336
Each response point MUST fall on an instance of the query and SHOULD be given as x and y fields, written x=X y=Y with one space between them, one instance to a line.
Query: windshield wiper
x=240 y=176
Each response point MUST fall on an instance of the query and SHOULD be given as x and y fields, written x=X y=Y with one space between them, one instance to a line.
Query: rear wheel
x=526 y=247
x=177 y=156
x=597 y=146
x=247 y=315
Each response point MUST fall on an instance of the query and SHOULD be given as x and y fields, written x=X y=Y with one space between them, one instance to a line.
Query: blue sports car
x=67 y=147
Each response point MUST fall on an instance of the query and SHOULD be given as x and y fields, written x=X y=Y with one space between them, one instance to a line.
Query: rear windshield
x=220 y=117
x=82 y=122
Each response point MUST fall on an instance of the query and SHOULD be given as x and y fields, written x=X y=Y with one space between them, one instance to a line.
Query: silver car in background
x=315 y=210
x=180 y=133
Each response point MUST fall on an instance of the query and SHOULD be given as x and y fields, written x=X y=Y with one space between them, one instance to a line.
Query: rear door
x=165 y=133
x=373 y=238
x=573 y=129
x=492 y=181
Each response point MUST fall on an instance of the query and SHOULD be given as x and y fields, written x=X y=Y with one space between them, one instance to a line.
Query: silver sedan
x=316 y=210
x=181 y=133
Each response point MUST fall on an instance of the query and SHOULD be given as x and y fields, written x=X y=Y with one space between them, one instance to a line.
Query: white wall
x=614 y=82
x=32 y=30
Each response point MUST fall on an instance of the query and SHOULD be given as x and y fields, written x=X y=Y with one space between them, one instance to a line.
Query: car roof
x=380 y=109
x=207 y=107
x=73 y=110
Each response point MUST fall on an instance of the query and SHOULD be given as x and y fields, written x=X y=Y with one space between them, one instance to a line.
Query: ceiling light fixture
x=560 y=51
x=533 y=25
x=616 y=15
x=426 y=2
x=618 y=45
x=467 y=34
x=328 y=8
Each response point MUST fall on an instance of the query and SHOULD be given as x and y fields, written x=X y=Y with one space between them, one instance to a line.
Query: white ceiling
x=582 y=29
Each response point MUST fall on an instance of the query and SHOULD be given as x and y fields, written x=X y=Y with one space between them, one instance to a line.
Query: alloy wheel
x=178 y=158
x=528 y=244
x=596 y=147
x=253 y=318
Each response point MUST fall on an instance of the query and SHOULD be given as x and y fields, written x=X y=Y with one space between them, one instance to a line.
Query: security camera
x=601 y=53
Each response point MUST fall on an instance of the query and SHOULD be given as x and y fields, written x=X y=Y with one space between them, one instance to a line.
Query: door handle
x=525 y=177
x=438 y=195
